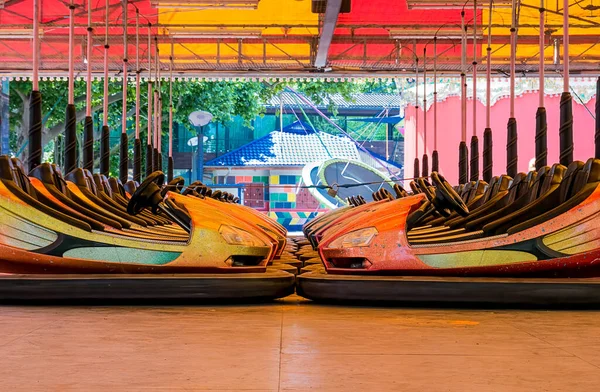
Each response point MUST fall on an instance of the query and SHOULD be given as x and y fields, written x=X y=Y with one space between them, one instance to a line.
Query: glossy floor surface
x=295 y=345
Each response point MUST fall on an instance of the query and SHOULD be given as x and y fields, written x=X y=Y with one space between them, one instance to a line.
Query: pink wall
x=525 y=107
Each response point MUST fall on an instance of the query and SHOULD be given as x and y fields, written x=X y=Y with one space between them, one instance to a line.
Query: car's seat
x=548 y=197
x=583 y=184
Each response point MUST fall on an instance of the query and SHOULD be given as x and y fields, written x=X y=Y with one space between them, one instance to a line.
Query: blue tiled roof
x=295 y=145
x=358 y=101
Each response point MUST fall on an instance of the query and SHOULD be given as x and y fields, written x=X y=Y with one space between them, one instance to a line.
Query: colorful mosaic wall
x=280 y=197
x=293 y=221
x=282 y=191
x=240 y=179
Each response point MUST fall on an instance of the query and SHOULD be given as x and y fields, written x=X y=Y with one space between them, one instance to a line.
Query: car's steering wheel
x=446 y=198
x=385 y=194
x=175 y=185
x=400 y=192
x=147 y=194
x=414 y=188
x=426 y=187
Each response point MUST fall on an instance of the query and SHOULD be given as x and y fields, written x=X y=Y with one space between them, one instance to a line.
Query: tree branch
x=56 y=130
x=21 y=95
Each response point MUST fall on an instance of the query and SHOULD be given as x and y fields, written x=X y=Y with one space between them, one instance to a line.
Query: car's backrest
x=492 y=189
x=90 y=181
x=540 y=181
x=7 y=171
x=8 y=177
x=553 y=178
x=21 y=177
x=467 y=191
x=116 y=186
x=520 y=185
x=58 y=177
x=568 y=181
x=479 y=189
x=77 y=177
x=45 y=174
x=130 y=186
x=502 y=184
x=590 y=173
x=586 y=180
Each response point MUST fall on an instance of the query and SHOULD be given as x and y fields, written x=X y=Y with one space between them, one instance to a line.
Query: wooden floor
x=295 y=345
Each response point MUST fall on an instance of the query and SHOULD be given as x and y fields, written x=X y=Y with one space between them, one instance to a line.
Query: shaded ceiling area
x=303 y=38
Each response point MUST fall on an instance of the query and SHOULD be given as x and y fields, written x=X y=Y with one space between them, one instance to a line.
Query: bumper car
x=226 y=202
x=540 y=226
x=537 y=225
x=79 y=226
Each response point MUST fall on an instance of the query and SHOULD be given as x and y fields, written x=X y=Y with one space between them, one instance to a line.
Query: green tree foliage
x=224 y=99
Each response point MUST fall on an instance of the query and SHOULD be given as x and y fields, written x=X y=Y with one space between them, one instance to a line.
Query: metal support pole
x=71 y=120
x=463 y=170
x=137 y=144
x=88 y=131
x=541 y=125
x=35 y=99
x=474 y=140
x=200 y=155
x=435 y=164
x=149 y=150
x=170 y=162
x=124 y=146
x=487 y=133
x=155 y=162
x=566 y=101
x=425 y=172
x=104 y=139
x=597 y=135
x=416 y=162
x=511 y=128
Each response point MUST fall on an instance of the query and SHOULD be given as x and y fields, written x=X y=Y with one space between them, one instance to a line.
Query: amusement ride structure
x=510 y=236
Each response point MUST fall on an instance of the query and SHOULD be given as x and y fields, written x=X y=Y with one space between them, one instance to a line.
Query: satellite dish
x=200 y=118
x=193 y=142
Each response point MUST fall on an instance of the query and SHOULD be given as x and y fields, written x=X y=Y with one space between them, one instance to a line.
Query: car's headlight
x=236 y=236
x=354 y=239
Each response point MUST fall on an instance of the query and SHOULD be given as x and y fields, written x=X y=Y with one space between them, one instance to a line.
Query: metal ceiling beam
x=346 y=68
x=332 y=11
x=117 y=39
x=99 y=26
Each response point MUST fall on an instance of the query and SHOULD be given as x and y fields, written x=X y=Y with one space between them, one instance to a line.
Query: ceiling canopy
x=292 y=37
